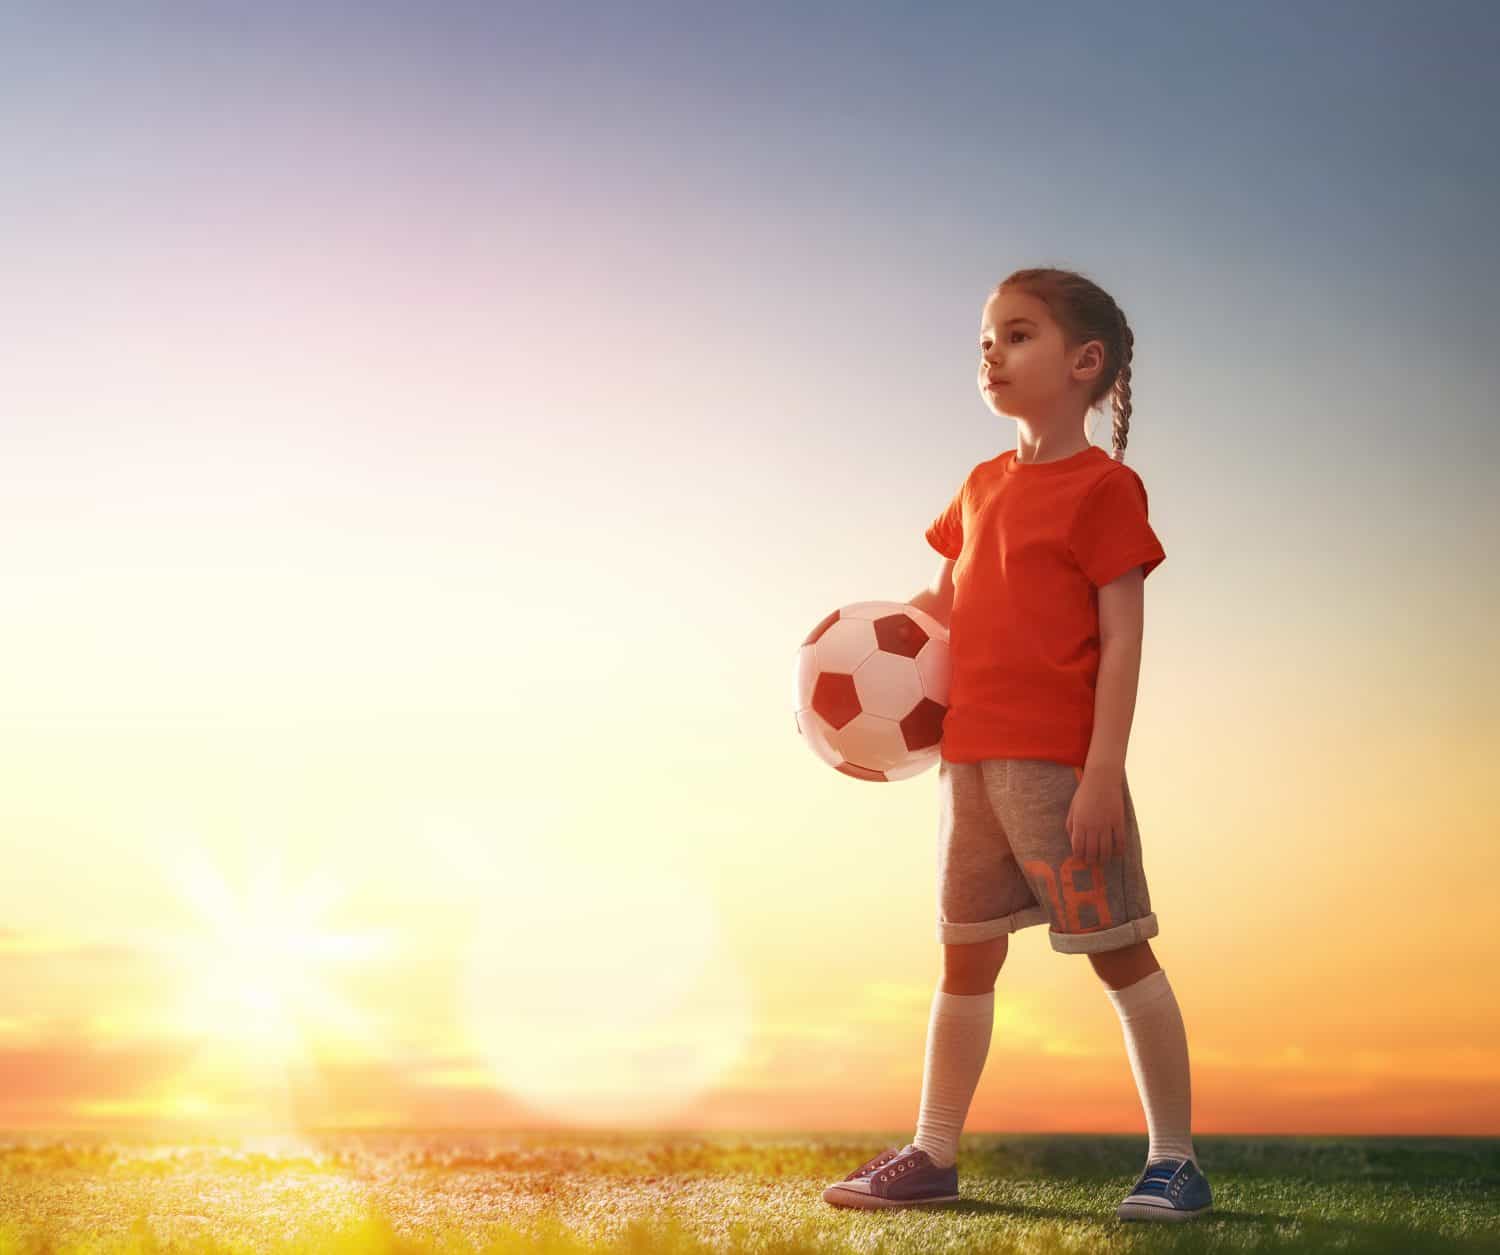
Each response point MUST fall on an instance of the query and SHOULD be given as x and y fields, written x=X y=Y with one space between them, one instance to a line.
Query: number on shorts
x=1065 y=904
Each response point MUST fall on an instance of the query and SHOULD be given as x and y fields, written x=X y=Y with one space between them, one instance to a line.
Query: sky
x=430 y=431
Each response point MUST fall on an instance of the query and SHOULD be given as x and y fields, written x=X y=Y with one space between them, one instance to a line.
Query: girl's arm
x=937 y=598
x=1121 y=621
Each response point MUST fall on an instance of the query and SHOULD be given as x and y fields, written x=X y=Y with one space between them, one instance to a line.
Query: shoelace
x=1162 y=1174
x=879 y=1162
x=888 y=1172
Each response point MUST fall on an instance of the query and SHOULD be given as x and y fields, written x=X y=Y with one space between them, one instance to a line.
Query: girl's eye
x=983 y=343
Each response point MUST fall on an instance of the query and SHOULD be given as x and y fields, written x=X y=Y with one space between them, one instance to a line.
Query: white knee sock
x=1156 y=1041
x=958 y=1039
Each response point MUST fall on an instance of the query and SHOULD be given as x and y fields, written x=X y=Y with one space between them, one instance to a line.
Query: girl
x=1046 y=550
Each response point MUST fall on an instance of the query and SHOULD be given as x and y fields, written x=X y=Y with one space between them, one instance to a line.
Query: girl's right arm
x=937 y=598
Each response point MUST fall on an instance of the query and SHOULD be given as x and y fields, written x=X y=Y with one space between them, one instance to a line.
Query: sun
x=257 y=974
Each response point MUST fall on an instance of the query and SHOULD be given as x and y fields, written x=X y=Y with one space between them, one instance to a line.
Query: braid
x=1122 y=388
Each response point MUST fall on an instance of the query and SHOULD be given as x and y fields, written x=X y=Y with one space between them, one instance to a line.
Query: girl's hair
x=1085 y=311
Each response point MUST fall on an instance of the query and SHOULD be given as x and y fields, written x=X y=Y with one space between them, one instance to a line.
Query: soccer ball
x=872 y=690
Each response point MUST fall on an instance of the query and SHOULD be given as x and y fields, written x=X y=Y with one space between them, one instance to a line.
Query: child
x=1046 y=551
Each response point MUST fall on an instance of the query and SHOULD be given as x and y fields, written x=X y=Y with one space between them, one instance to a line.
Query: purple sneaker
x=896 y=1178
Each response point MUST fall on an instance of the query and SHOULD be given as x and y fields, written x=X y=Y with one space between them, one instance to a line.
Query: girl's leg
x=958 y=1039
x=1156 y=1041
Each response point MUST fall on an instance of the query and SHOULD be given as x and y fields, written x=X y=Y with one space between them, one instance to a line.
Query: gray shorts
x=1005 y=860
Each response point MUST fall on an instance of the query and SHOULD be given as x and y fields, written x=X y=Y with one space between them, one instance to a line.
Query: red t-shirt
x=1033 y=542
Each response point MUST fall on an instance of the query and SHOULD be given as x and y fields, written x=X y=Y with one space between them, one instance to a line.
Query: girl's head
x=1061 y=345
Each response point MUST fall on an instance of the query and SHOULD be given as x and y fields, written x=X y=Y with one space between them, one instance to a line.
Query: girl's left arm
x=1121 y=627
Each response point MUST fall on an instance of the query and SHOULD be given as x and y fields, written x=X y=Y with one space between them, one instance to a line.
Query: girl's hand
x=1096 y=817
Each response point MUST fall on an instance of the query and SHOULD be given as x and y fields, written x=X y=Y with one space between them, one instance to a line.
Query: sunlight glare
x=253 y=977
x=599 y=991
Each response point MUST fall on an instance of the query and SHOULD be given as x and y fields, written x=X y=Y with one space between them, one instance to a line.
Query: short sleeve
x=1110 y=533
x=946 y=532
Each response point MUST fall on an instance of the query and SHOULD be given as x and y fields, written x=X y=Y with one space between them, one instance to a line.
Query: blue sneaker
x=896 y=1178
x=1169 y=1189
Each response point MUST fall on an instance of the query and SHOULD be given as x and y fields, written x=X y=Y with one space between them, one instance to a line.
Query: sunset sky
x=429 y=432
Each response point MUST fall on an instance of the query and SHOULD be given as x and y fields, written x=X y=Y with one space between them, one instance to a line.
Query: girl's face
x=1022 y=347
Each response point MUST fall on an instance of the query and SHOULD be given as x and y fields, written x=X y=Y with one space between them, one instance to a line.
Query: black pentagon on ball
x=863 y=773
x=900 y=634
x=923 y=727
x=834 y=698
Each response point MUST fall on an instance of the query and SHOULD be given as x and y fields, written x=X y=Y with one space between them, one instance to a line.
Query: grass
x=361 y=1194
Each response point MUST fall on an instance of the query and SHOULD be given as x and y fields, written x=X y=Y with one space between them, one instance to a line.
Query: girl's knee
x=971 y=967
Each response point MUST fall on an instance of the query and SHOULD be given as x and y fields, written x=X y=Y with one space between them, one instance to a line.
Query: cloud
x=65 y=1083
x=52 y=1074
x=19 y=945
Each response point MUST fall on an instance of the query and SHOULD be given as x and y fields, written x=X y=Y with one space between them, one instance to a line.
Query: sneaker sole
x=1159 y=1211
x=870 y=1202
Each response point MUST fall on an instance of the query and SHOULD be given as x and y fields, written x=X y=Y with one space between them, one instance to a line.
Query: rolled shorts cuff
x=949 y=933
x=1126 y=934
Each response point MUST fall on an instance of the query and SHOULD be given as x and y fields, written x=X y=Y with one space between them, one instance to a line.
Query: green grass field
x=366 y=1192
